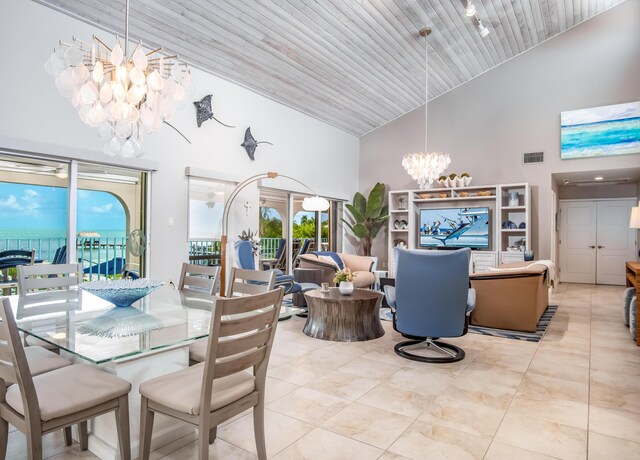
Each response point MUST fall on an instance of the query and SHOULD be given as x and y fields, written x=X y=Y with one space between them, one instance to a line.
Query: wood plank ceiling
x=355 y=64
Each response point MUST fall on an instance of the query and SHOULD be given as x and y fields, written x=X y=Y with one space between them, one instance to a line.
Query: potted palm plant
x=368 y=216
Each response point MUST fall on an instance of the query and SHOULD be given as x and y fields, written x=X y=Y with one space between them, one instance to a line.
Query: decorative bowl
x=122 y=293
x=120 y=322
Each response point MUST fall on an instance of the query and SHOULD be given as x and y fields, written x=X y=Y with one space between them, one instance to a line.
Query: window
x=97 y=232
x=206 y=206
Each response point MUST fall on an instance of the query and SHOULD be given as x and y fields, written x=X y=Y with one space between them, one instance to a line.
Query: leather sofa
x=331 y=262
x=511 y=298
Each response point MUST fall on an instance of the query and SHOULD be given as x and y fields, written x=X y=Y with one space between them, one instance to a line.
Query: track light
x=482 y=29
x=469 y=10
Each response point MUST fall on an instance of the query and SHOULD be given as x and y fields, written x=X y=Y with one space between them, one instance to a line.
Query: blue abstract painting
x=600 y=131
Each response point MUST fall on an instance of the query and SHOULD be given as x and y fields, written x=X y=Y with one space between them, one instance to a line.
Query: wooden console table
x=633 y=279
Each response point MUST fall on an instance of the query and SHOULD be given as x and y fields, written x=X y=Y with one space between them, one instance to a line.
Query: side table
x=344 y=318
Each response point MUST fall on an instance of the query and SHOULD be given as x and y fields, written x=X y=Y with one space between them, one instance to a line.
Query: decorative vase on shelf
x=345 y=287
x=514 y=199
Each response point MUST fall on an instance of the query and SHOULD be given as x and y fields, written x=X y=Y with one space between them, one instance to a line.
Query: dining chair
x=241 y=282
x=54 y=400
x=203 y=278
x=44 y=289
x=241 y=337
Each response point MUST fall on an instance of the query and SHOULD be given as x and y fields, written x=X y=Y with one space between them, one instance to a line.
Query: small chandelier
x=425 y=167
x=123 y=96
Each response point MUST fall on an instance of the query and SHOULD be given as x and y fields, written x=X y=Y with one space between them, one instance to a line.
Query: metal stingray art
x=250 y=143
x=204 y=111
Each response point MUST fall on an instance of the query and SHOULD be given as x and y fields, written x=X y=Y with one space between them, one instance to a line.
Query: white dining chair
x=229 y=381
x=241 y=282
x=45 y=289
x=202 y=278
x=54 y=400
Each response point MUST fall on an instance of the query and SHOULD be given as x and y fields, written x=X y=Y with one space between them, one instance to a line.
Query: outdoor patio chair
x=229 y=381
x=282 y=246
x=54 y=400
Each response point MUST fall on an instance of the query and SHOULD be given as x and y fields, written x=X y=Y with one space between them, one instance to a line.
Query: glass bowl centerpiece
x=124 y=292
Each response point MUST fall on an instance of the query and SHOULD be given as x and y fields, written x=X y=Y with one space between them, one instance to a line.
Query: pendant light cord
x=425 y=34
x=126 y=30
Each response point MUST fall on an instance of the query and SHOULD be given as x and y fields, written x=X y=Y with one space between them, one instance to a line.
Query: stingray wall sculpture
x=204 y=111
x=250 y=143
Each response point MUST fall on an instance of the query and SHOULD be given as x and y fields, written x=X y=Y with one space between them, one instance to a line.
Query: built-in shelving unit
x=406 y=205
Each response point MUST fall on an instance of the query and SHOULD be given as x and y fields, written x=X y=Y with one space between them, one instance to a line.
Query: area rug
x=541 y=328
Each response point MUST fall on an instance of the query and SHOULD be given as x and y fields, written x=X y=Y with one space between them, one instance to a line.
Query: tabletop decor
x=123 y=95
x=124 y=292
x=121 y=322
x=344 y=278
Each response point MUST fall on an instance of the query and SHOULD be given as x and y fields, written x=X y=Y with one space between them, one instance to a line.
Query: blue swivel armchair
x=244 y=258
x=431 y=299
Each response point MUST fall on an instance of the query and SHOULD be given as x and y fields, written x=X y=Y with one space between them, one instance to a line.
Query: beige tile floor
x=574 y=395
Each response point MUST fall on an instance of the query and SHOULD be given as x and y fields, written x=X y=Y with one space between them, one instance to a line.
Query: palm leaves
x=368 y=216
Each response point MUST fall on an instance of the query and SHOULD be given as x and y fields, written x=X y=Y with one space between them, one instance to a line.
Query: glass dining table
x=148 y=339
x=94 y=330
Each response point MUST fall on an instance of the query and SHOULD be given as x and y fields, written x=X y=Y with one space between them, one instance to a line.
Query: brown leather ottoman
x=512 y=299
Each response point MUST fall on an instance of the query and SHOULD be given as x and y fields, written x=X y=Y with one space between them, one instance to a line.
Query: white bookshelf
x=494 y=197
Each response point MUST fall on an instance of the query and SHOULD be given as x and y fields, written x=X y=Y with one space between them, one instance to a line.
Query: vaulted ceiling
x=355 y=64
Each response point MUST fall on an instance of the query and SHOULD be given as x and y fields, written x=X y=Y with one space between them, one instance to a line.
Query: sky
x=25 y=206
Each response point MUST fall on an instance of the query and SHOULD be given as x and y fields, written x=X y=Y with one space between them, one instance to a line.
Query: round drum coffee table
x=344 y=318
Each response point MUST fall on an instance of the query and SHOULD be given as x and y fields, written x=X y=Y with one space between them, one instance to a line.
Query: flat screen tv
x=454 y=228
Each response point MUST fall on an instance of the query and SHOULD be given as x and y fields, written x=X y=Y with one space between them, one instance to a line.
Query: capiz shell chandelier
x=123 y=96
x=425 y=168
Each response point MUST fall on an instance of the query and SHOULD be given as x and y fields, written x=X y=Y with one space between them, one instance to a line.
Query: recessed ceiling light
x=598 y=178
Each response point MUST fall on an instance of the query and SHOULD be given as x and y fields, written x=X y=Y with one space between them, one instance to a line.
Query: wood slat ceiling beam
x=356 y=64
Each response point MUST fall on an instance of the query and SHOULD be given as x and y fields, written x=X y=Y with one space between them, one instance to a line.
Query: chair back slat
x=47 y=276
x=250 y=282
x=239 y=364
x=13 y=362
x=244 y=324
x=241 y=344
x=241 y=341
x=199 y=278
x=5 y=353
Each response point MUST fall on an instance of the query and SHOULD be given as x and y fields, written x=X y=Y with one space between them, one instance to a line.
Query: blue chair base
x=450 y=353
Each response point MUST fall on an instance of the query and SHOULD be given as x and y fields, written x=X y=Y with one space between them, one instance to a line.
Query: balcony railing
x=270 y=246
x=100 y=257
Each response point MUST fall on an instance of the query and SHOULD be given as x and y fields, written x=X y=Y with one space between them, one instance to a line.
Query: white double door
x=595 y=241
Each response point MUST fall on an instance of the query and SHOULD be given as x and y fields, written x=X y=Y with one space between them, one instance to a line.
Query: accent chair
x=431 y=299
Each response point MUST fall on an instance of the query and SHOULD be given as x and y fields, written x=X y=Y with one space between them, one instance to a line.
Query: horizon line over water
x=600 y=122
x=602 y=138
x=53 y=233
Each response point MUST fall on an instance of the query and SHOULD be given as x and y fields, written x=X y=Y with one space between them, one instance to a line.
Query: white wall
x=488 y=123
x=31 y=111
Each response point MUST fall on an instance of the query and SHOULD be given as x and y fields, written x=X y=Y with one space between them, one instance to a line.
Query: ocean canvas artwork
x=600 y=131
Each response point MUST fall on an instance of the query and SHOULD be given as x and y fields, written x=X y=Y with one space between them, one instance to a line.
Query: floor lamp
x=310 y=203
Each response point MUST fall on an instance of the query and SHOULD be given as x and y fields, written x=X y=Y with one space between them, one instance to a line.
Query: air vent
x=533 y=157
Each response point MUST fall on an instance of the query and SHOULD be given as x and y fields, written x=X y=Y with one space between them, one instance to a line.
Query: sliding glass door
x=68 y=211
